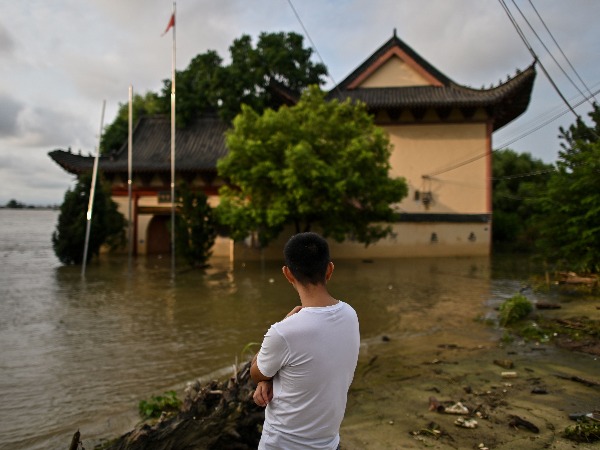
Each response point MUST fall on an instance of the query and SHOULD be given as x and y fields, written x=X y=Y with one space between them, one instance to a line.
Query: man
x=306 y=362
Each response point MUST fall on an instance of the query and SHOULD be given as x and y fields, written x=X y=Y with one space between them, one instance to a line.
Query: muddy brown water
x=80 y=353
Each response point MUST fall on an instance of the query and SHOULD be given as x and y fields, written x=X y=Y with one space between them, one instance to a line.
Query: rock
x=504 y=363
x=518 y=422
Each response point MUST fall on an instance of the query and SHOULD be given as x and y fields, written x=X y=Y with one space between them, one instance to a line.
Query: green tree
x=570 y=219
x=277 y=58
x=15 y=204
x=198 y=88
x=317 y=163
x=516 y=179
x=208 y=86
x=107 y=226
x=195 y=227
x=115 y=134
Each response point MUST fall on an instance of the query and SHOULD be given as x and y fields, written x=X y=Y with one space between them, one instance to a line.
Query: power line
x=548 y=50
x=561 y=51
x=524 y=39
x=543 y=124
x=523 y=175
x=311 y=42
x=506 y=144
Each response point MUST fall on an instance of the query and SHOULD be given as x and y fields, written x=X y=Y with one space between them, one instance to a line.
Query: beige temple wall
x=408 y=240
x=419 y=150
x=394 y=72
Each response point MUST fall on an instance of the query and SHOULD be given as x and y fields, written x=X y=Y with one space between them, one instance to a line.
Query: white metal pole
x=92 y=193
x=173 y=145
x=129 y=177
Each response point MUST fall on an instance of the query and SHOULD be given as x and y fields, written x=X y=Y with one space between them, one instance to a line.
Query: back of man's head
x=307 y=257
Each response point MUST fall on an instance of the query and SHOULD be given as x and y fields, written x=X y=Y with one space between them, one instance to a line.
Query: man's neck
x=315 y=296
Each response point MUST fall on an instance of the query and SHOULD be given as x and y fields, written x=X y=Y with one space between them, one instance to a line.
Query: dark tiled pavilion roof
x=198 y=148
x=503 y=103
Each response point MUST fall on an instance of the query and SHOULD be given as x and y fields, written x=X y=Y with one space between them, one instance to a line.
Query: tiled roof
x=504 y=103
x=198 y=148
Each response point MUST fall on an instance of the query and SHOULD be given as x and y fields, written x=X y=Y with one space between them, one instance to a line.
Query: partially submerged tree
x=570 y=219
x=317 y=164
x=517 y=178
x=107 y=225
x=195 y=227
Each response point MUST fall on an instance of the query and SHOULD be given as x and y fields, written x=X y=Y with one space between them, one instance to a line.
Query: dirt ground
x=389 y=402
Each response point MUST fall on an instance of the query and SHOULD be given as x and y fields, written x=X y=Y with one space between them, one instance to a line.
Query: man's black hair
x=307 y=257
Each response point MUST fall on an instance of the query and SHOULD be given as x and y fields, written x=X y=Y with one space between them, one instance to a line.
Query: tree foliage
x=115 y=134
x=319 y=163
x=277 y=58
x=195 y=230
x=206 y=85
x=570 y=219
x=516 y=179
x=107 y=225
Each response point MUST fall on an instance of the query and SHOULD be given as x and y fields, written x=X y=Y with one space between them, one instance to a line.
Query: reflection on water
x=81 y=353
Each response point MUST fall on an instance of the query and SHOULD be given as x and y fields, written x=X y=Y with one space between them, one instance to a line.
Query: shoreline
x=520 y=393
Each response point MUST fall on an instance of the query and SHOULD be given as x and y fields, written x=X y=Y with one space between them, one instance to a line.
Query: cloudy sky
x=60 y=59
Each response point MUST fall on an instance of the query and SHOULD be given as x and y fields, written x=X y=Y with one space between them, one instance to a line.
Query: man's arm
x=255 y=373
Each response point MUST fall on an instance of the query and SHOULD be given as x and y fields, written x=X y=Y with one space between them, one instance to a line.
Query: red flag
x=171 y=24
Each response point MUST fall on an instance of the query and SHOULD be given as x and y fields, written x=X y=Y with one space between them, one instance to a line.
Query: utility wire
x=548 y=50
x=526 y=125
x=506 y=144
x=570 y=108
x=543 y=124
x=524 y=39
x=313 y=44
x=523 y=175
x=561 y=51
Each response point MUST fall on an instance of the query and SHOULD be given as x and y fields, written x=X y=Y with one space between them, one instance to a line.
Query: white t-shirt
x=311 y=356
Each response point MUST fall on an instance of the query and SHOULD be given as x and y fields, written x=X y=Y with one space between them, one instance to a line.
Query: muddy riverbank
x=474 y=387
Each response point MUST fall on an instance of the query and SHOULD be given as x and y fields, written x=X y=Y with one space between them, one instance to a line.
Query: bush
x=107 y=225
x=514 y=309
x=154 y=407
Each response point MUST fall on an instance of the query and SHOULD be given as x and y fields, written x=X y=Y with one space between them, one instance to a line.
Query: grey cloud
x=9 y=112
x=49 y=127
x=7 y=44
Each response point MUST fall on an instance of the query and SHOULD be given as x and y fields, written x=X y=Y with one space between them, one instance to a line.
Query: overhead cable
x=548 y=50
x=524 y=39
x=506 y=144
x=561 y=51
x=311 y=42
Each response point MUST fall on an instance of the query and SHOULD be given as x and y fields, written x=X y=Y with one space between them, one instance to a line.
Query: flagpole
x=92 y=194
x=173 y=147
x=129 y=176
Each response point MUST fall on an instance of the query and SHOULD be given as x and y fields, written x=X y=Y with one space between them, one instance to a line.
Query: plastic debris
x=457 y=408
x=465 y=423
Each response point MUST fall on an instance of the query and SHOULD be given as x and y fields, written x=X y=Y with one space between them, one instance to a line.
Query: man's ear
x=287 y=273
x=329 y=271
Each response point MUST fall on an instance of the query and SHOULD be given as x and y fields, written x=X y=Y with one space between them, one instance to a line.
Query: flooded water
x=80 y=353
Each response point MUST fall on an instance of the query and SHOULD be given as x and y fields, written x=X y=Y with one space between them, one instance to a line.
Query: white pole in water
x=173 y=145
x=129 y=178
x=92 y=193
